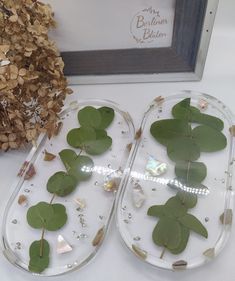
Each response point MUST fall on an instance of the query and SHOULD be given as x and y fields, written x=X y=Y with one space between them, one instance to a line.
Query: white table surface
x=114 y=262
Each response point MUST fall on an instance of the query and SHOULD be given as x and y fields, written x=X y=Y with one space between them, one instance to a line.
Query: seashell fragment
x=209 y=253
x=159 y=100
x=62 y=245
x=203 y=104
x=138 y=196
x=154 y=167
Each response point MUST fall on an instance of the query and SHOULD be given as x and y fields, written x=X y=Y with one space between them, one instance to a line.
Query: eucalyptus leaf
x=209 y=139
x=90 y=117
x=98 y=146
x=156 y=211
x=183 y=149
x=37 y=215
x=77 y=137
x=183 y=242
x=189 y=200
x=39 y=263
x=191 y=171
x=48 y=216
x=183 y=110
x=61 y=184
x=81 y=168
x=167 y=233
x=193 y=224
x=175 y=208
x=107 y=116
x=59 y=218
x=165 y=131
x=67 y=156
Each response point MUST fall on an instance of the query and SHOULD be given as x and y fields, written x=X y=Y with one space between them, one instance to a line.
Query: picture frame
x=183 y=60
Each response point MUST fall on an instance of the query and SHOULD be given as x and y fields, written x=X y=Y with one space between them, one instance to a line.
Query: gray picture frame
x=184 y=60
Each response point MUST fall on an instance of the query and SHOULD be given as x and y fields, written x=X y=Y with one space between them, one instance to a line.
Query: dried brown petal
x=139 y=252
x=22 y=200
x=138 y=134
x=49 y=156
x=179 y=265
x=98 y=238
x=30 y=172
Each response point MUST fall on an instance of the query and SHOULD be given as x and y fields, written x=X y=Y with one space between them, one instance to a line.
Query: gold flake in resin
x=99 y=237
x=62 y=245
x=139 y=252
x=227 y=217
x=22 y=200
x=232 y=130
x=179 y=265
x=209 y=253
x=81 y=203
x=155 y=168
x=49 y=156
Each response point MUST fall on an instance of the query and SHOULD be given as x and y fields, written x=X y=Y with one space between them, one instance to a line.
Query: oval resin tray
x=89 y=208
x=175 y=205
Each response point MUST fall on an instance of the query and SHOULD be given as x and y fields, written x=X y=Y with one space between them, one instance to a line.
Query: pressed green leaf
x=209 y=139
x=34 y=250
x=183 y=242
x=81 y=168
x=58 y=219
x=100 y=134
x=37 y=215
x=191 y=171
x=210 y=121
x=183 y=149
x=193 y=224
x=189 y=200
x=183 y=110
x=39 y=263
x=167 y=233
x=165 y=131
x=49 y=216
x=77 y=137
x=107 y=116
x=98 y=146
x=61 y=184
x=89 y=117
x=156 y=211
x=174 y=207
x=67 y=156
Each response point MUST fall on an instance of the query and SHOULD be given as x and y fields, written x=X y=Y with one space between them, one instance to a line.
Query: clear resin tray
x=148 y=182
x=89 y=208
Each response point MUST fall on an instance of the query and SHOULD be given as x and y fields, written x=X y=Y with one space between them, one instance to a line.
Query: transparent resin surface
x=89 y=207
x=146 y=183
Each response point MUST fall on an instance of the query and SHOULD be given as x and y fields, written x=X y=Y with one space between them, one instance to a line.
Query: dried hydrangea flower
x=32 y=84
